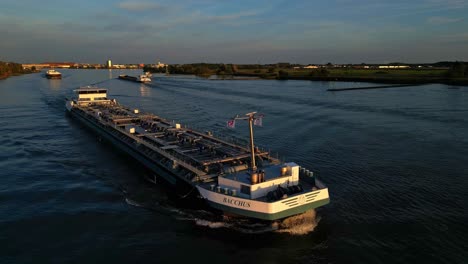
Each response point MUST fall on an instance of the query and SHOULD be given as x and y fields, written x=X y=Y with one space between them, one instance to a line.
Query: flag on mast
x=231 y=123
x=258 y=121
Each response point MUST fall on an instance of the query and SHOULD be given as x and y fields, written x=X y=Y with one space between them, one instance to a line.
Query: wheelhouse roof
x=90 y=90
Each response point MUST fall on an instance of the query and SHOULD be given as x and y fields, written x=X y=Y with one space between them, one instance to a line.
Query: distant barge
x=231 y=178
x=53 y=74
x=143 y=78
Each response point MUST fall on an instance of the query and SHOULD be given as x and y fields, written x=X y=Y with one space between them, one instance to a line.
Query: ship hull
x=131 y=151
x=190 y=161
x=128 y=78
x=131 y=79
x=53 y=76
x=238 y=206
x=265 y=210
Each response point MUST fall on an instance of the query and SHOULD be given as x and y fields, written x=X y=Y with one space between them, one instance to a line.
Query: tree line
x=194 y=68
x=458 y=70
x=10 y=68
x=280 y=71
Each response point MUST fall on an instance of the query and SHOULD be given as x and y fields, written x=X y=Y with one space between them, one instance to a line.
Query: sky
x=237 y=31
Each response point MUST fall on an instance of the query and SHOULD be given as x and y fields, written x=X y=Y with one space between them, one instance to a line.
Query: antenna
x=251 y=118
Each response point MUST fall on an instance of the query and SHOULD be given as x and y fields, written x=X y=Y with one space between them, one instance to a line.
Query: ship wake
x=301 y=224
x=133 y=203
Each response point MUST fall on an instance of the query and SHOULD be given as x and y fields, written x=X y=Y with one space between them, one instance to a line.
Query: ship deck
x=203 y=154
x=271 y=172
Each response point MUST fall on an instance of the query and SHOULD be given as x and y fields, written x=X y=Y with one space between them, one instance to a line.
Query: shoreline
x=6 y=76
x=388 y=80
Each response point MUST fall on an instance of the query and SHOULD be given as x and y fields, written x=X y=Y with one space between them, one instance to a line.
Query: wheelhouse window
x=245 y=189
x=93 y=92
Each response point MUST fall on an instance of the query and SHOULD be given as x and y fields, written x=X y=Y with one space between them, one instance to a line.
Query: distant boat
x=143 y=78
x=53 y=74
x=128 y=78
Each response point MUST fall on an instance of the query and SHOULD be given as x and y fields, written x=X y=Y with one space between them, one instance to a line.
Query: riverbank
x=425 y=76
x=5 y=76
x=409 y=80
x=8 y=69
x=449 y=73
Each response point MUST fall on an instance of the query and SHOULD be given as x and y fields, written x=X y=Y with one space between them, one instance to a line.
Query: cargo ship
x=143 y=78
x=53 y=74
x=232 y=179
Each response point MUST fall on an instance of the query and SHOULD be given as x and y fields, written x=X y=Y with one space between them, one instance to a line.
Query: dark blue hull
x=130 y=149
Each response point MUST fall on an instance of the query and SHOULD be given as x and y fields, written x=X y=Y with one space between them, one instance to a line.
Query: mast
x=252 y=148
x=251 y=117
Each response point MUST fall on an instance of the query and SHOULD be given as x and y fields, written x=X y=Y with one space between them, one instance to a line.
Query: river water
x=395 y=161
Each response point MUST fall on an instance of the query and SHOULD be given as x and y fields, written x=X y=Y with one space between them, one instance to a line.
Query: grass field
x=348 y=72
x=394 y=76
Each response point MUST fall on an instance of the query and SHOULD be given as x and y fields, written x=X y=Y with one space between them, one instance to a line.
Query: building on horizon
x=64 y=65
x=109 y=63
x=160 y=65
x=394 y=66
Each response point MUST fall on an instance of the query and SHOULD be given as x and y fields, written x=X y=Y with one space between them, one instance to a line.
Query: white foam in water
x=198 y=216
x=207 y=223
x=258 y=229
x=133 y=203
x=295 y=225
x=299 y=224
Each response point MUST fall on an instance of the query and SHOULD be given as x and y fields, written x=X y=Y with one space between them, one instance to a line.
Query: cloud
x=139 y=6
x=233 y=16
x=450 y=4
x=457 y=38
x=439 y=20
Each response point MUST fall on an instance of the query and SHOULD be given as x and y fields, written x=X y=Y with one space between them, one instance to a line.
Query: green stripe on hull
x=271 y=217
